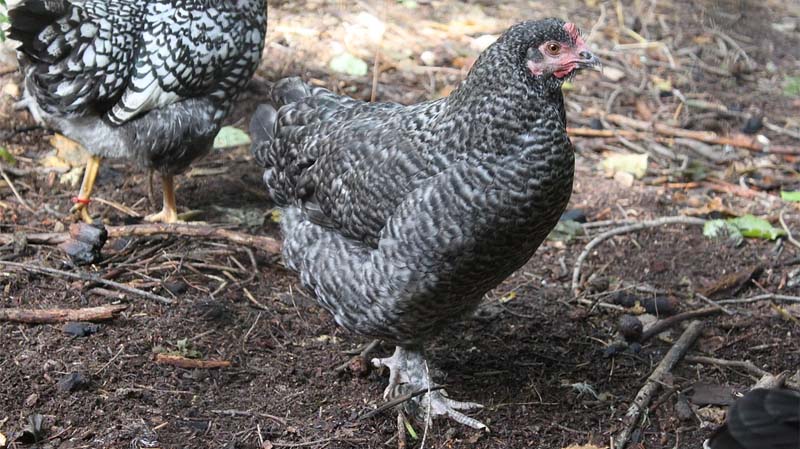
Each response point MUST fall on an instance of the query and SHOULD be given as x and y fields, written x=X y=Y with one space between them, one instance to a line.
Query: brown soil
x=519 y=357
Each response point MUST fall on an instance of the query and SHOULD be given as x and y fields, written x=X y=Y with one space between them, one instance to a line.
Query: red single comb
x=573 y=32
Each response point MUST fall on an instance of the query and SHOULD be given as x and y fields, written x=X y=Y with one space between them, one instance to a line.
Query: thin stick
x=88 y=278
x=662 y=325
x=315 y=442
x=765 y=296
x=746 y=365
x=399 y=400
x=231 y=412
x=184 y=362
x=645 y=394
x=708 y=301
x=789 y=235
x=49 y=316
x=267 y=244
x=576 y=272
x=14 y=190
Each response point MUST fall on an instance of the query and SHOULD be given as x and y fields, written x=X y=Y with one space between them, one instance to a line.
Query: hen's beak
x=587 y=60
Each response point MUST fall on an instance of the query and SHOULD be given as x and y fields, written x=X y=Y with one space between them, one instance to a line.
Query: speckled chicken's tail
x=274 y=130
x=30 y=18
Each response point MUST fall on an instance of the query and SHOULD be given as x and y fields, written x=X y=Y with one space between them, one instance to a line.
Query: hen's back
x=347 y=164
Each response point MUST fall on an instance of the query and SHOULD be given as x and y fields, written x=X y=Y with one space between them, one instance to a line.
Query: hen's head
x=546 y=51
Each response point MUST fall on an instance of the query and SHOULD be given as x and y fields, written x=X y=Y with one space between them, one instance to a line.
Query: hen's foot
x=169 y=211
x=82 y=200
x=408 y=373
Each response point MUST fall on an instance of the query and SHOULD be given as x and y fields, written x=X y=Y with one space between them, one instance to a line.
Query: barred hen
x=145 y=80
x=400 y=218
x=762 y=419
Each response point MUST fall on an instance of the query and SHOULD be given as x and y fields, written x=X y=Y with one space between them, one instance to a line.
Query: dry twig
x=642 y=399
x=184 y=362
x=88 y=278
x=746 y=365
x=47 y=316
x=662 y=325
x=576 y=272
x=267 y=244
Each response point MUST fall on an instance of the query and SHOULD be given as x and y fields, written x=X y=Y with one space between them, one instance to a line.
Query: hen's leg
x=169 y=211
x=82 y=200
x=408 y=373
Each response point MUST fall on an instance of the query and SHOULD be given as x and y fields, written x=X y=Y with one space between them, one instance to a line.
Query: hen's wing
x=347 y=163
x=189 y=52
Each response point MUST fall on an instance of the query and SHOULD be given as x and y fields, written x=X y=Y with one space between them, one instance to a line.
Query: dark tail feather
x=29 y=19
x=262 y=132
x=289 y=90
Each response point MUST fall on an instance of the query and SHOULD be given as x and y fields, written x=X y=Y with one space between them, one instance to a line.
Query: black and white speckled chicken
x=762 y=419
x=146 y=80
x=400 y=218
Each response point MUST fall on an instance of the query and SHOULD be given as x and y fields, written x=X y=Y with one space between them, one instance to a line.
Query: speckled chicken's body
x=401 y=218
x=147 y=80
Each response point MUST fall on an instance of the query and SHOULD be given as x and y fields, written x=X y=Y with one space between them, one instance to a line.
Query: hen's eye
x=553 y=48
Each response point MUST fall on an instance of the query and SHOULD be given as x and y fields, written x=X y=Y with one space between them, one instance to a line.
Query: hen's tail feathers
x=29 y=19
x=262 y=132
x=289 y=90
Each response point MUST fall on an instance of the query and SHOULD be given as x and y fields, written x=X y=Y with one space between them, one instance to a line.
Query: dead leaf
x=585 y=446
x=643 y=110
x=12 y=90
x=713 y=206
x=731 y=284
x=635 y=164
x=712 y=394
x=711 y=414
x=613 y=74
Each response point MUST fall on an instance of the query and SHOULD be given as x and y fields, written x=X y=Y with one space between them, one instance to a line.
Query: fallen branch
x=47 y=316
x=662 y=325
x=656 y=379
x=399 y=400
x=267 y=244
x=576 y=272
x=763 y=297
x=746 y=365
x=736 y=140
x=87 y=278
x=184 y=362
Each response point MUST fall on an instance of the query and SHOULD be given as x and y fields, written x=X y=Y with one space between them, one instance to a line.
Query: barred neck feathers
x=501 y=101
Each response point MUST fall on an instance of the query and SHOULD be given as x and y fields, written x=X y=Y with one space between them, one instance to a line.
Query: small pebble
x=578 y=215
x=595 y=123
x=72 y=382
x=753 y=125
x=80 y=329
x=630 y=327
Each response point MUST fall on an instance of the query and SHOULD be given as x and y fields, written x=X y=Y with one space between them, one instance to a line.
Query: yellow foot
x=165 y=216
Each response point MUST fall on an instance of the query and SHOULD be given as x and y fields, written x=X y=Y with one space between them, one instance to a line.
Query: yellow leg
x=89 y=177
x=169 y=211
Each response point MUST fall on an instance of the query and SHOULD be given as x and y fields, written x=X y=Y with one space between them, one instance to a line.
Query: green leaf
x=349 y=65
x=738 y=228
x=721 y=228
x=410 y=429
x=751 y=226
x=566 y=231
x=7 y=157
x=229 y=137
x=790 y=196
x=791 y=86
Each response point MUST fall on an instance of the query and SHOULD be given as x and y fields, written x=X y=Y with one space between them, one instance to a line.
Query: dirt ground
x=534 y=356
